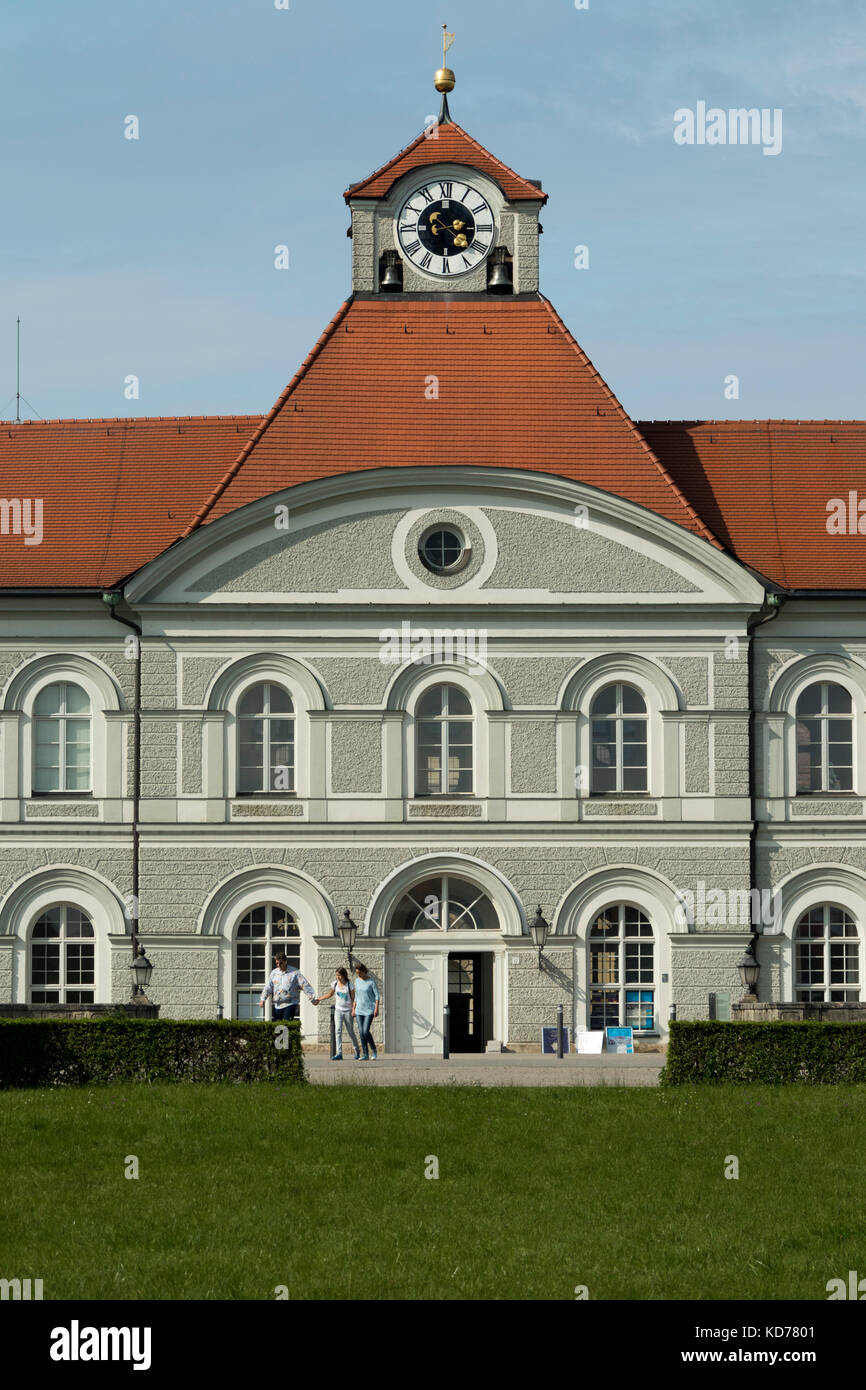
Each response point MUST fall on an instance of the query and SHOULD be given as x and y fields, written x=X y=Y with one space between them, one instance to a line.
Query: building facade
x=443 y=640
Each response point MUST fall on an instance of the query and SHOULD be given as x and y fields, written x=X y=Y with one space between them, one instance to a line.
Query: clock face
x=445 y=228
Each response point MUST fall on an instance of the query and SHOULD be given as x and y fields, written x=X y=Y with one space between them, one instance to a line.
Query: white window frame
x=269 y=939
x=823 y=718
x=60 y=721
x=623 y=941
x=832 y=993
x=63 y=988
x=267 y=718
x=443 y=719
x=617 y=719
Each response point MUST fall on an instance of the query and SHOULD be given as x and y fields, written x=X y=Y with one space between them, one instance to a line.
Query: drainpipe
x=112 y=598
x=773 y=603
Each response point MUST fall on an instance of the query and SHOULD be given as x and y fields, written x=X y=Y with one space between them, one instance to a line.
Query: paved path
x=496 y=1069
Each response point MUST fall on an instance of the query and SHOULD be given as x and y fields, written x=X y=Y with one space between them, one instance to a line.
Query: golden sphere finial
x=444 y=79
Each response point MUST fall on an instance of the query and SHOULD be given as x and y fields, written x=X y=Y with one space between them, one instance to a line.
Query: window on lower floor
x=827 y=961
x=264 y=932
x=446 y=902
x=622 y=984
x=62 y=959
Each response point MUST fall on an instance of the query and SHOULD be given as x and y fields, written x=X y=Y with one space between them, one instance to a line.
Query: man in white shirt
x=285 y=985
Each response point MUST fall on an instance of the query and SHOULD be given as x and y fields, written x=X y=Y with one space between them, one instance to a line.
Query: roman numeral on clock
x=481 y=208
x=425 y=260
x=425 y=194
x=446 y=189
x=484 y=226
x=412 y=247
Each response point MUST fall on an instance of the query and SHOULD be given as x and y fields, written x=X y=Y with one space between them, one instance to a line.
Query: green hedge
x=772 y=1053
x=78 y=1052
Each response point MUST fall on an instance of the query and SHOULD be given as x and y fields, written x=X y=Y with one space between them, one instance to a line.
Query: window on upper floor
x=827 y=960
x=62 y=957
x=825 y=739
x=619 y=740
x=266 y=740
x=61 y=739
x=444 y=743
x=622 y=980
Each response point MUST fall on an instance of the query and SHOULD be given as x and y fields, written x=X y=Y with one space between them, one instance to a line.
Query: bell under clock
x=445 y=228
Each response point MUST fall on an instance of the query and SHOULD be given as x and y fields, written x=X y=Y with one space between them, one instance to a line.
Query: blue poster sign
x=618 y=1040
x=548 y=1040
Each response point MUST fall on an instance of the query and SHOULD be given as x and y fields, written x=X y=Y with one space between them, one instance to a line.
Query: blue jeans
x=365 y=1026
x=290 y=1011
x=343 y=1017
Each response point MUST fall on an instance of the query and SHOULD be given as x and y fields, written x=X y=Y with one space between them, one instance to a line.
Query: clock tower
x=444 y=217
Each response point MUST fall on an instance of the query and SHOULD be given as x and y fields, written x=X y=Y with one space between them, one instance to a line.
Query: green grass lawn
x=322 y=1189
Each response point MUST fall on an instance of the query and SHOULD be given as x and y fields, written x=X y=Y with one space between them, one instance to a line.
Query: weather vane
x=443 y=81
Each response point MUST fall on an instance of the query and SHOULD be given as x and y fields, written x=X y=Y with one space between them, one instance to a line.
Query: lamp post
x=539 y=929
x=141 y=972
x=749 y=970
x=348 y=931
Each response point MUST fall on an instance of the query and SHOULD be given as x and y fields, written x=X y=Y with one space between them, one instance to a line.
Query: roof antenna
x=18 y=396
x=444 y=78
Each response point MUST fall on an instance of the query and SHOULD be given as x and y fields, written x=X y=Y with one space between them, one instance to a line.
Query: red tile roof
x=114 y=492
x=514 y=390
x=764 y=485
x=444 y=144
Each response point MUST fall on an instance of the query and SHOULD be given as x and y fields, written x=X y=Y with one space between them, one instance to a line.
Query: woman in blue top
x=365 y=1009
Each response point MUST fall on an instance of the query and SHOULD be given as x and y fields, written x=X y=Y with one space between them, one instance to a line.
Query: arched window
x=266 y=740
x=448 y=903
x=444 y=743
x=619 y=740
x=62 y=957
x=825 y=739
x=827 y=963
x=261 y=934
x=622 y=970
x=61 y=740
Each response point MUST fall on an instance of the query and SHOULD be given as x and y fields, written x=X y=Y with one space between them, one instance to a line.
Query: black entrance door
x=470 y=998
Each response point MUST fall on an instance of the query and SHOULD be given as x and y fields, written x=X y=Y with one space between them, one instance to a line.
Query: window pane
x=605 y=701
x=838 y=700
x=48 y=924
x=45 y=964
x=49 y=700
x=603 y=779
x=430 y=703
x=458 y=702
x=810 y=701
x=459 y=732
x=634 y=779
x=281 y=700
x=603 y=1008
x=639 y=1009
x=77 y=700
x=632 y=701
x=460 y=771
x=253 y=700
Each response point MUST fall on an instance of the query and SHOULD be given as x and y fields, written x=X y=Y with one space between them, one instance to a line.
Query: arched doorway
x=444 y=948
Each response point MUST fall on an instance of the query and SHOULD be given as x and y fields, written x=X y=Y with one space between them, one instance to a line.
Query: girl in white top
x=345 y=998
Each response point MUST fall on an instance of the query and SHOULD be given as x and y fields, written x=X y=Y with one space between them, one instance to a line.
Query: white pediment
x=353 y=539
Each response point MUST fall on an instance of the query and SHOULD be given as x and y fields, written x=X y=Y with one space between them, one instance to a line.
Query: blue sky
x=155 y=257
